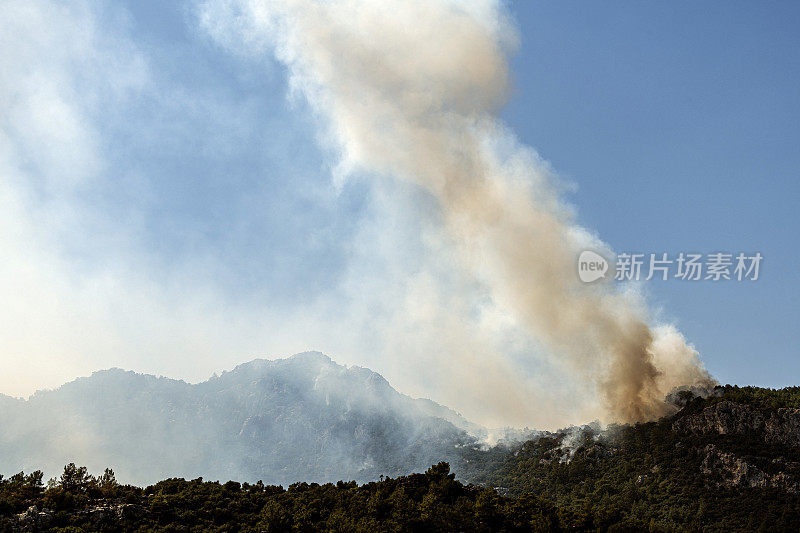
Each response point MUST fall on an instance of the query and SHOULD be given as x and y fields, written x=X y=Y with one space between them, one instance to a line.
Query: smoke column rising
x=411 y=89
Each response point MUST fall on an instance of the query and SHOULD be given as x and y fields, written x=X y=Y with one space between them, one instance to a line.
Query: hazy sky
x=167 y=205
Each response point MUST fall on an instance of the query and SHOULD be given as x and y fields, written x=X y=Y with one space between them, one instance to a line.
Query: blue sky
x=678 y=122
x=199 y=225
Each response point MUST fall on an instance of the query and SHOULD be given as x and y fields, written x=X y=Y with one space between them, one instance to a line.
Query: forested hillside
x=433 y=501
x=727 y=462
x=730 y=462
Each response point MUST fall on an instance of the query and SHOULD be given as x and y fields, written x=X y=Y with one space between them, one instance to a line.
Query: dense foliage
x=755 y=396
x=433 y=501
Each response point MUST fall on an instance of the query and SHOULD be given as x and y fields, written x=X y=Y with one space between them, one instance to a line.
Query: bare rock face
x=108 y=515
x=734 y=471
x=779 y=426
x=771 y=426
x=33 y=519
x=104 y=516
x=783 y=427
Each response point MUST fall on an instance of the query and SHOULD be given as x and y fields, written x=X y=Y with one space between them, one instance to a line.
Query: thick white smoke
x=411 y=89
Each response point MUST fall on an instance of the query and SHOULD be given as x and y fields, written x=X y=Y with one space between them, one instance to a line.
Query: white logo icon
x=591 y=266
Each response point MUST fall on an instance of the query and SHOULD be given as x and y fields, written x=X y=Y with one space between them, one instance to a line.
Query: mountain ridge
x=302 y=417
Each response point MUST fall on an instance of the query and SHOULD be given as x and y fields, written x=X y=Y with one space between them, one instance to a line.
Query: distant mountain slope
x=729 y=462
x=301 y=418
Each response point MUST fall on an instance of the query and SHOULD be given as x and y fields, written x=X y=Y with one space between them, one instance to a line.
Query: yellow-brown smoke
x=411 y=89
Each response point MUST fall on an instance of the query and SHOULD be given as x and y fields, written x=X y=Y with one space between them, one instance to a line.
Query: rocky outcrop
x=109 y=515
x=771 y=426
x=779 y=426
x=33 y=519
x=731 y=471
x=105 y=515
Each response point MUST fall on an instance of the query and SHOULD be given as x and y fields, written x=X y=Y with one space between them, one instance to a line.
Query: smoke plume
x=411 y=89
